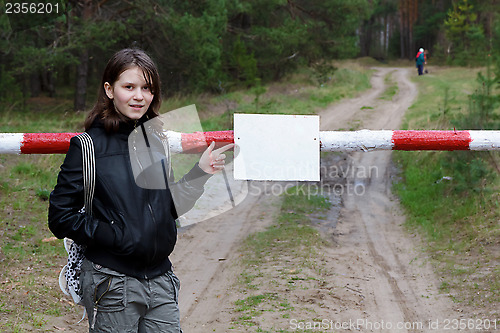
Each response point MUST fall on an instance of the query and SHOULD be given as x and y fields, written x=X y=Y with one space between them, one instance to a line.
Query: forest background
x=218 y=45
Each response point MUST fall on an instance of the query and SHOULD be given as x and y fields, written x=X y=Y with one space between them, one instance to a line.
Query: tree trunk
x=83 y=66
x=81 y=81
x=408 y=14
x=48 y=82
x=35 y=84
x=365 y=39
x=402 y=28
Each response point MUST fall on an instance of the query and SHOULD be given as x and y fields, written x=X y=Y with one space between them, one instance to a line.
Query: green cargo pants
x=119 y=303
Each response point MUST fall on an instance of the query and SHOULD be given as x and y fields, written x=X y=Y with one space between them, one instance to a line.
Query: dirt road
x=379 y=279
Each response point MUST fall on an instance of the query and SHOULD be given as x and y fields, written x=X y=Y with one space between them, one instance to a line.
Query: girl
x=126 y=279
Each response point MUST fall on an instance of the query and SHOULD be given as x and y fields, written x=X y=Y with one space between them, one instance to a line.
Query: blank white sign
x=276 y=147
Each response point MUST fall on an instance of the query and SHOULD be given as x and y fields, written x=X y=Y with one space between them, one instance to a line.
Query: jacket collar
x=124 y=127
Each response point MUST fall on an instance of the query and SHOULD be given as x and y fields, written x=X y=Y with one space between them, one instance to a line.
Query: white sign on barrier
x=277 y=147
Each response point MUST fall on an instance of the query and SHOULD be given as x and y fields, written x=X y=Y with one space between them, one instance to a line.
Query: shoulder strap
x=88 y=157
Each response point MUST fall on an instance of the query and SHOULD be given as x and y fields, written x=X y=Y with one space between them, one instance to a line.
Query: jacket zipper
x=155 y=243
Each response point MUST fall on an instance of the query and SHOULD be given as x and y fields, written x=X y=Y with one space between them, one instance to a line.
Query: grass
x=31 y=259
x=289 y=247
x=391 y=90
x=443 y=97
x=452 y=197
x=290 y=235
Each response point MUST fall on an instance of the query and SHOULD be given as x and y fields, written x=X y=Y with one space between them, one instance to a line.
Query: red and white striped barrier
x=340 y=141
x=58 y=143
x=366 y=140
x=35 y=143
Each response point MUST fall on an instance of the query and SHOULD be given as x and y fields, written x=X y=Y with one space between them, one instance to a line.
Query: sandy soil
x=383 y=276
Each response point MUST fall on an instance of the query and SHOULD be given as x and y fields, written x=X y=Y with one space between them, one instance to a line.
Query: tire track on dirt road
x=342 y=114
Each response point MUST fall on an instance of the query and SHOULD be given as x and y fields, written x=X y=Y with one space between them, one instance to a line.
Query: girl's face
x=130 y=93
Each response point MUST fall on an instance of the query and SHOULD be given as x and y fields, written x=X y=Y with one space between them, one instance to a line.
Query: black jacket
x=132 y=229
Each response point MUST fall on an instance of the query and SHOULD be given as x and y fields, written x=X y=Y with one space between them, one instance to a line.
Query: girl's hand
x=212 y=161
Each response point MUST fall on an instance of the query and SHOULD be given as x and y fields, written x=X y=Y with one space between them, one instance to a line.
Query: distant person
x=420 y=60
x=126 y=282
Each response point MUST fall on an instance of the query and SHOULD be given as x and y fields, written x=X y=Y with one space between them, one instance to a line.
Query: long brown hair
x=122 y=60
